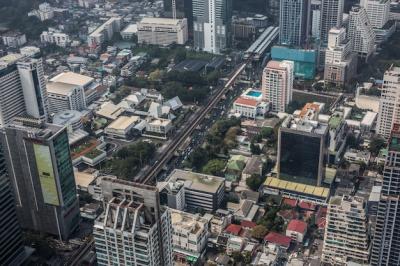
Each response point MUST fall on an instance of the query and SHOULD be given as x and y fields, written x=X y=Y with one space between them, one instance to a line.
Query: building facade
x=133 y=229
x=378 y=12
x=360 y=32
x=386 y=242
x=346 y=237
x=211 y=25
x=162 y=31
x=55 y=37
x=389 y=108
x=331 y=16
x=294 y=22
x=277 y=84
x=41 y=173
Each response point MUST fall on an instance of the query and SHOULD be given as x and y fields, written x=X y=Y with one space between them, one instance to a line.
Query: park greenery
x=127 y=161
x=376 y=144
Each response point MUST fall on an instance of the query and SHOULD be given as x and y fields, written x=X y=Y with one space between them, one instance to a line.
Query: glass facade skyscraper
x=294 y=22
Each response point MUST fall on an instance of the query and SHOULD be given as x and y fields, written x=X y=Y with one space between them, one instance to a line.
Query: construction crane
x=173 y=9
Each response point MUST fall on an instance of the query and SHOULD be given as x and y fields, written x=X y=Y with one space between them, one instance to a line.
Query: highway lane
x=191 y=125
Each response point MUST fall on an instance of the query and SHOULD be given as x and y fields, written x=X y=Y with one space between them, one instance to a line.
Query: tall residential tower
x=294 y=22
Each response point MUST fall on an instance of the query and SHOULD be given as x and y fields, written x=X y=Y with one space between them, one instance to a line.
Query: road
x=185 y=132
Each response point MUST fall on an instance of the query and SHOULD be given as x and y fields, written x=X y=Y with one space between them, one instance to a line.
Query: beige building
x=162 y=31
x=189 y=235
x=346 y=234
x=122 y=126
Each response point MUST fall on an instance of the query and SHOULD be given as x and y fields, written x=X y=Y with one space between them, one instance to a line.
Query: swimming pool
x=254 y=93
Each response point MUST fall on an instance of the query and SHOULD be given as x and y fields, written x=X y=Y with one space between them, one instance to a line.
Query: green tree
x=376 y=144
x=267 y=132
x=214 y=167
x=255 y=148
x=198 y=158
x=254 y=182
x=259 y=231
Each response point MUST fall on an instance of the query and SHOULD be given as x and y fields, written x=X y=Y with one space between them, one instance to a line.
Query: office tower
x=11 y=249
x=277 y=84
x=360 y=32
x=133 y=229
x=378 y=12
x=389 y=107
x=40 y=169
x=211 y=25
x=22 y=89
x=34 y=87
x=183 y=10
x=386 y=242
x=273 y=7
x=162 y=31
x=331 y=16
x=294 y=22
x=340 y=61
x=302 y=149
x=315 y=8
x=346 y=233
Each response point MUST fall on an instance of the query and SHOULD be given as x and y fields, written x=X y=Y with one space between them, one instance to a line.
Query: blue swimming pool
x=254 y=93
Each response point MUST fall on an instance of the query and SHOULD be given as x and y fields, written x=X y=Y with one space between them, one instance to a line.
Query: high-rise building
x=360 y=32
x=340 y=61
x=211 y=25
x=331 y=16
x=133 y=229
x=162 y=31
x=378 y=12
x=41 y=173
x=386 y=242
x=315 y=8
x=11 y=248
x=22 y=88
x=273 y=10
x=294 y=22
x=389 y=108
x=302 y=149
x=277 y=84
x=346 y=237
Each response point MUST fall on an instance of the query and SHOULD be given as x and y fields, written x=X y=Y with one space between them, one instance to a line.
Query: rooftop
x=234 y=229
x=278 y=239
x=163 y=21
x=297 y=226
x=247 y=102
x=199 y=182
x=276 y=183
x=123 y=122
x=72 y=79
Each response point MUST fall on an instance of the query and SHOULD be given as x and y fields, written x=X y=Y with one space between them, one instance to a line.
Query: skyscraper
x=331 y=16
x=378 y=12
x=315 y=8
x=277 y=84
x=294 y=22
x=133 y=230
x=211 y=25
x=22 y=88
x=40 y=169
x=183 y=10
x=386 y=242
x=346 y=235
x=389 y=108
x=11 y=249
x=360 y=32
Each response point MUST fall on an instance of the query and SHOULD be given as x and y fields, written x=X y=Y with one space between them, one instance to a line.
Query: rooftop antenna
x=173 y=9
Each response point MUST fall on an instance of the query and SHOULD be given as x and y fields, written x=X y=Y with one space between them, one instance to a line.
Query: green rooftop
x=394 y=144
x=335 y=121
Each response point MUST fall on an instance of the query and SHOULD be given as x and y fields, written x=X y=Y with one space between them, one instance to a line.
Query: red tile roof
x=278 y=239
x=290 y=202
x=306 y=205
x=248 y=224
x=247 y=102
x=233 y=229
x=297 y=226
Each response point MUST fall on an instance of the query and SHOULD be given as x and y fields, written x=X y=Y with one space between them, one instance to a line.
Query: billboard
x=46 y=174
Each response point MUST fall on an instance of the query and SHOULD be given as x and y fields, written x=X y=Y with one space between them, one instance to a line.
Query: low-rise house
x=296 y=229
x=235 y=244
x=278 y=240
x=356 y=156
x=122 y=127
x=234 y=167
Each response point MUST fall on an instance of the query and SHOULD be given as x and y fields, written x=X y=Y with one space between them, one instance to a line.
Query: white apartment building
x=340 y=62
x=378 y=12
x=189 y=235
x=158 y=127
x=56 y=37
x=360 y=32
x=346 y=235
x=162 y=31
x=389 y=108
x=277 y=84
x=331 y=16
x=66 y=91
x=22 y=89
x=13 y=39
x=45 y=12
x=104 y=32
x=132 y=230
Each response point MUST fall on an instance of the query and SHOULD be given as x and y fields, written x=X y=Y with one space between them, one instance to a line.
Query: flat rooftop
x=72 y=79
x=197 y=181
x=161 y=21
x=123 y=122
x=304 y=125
